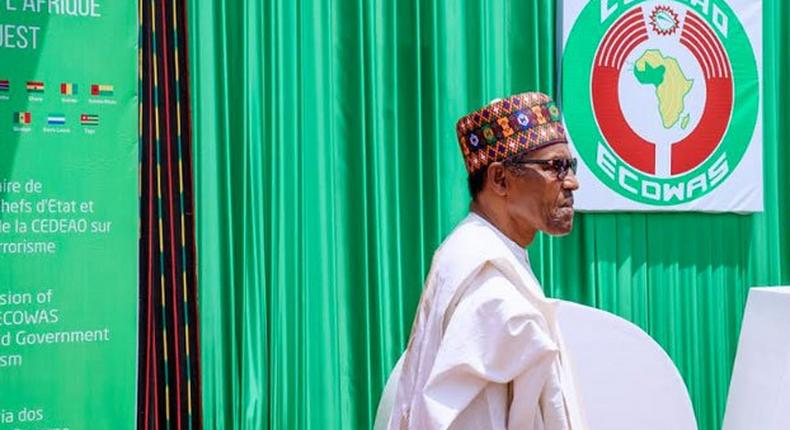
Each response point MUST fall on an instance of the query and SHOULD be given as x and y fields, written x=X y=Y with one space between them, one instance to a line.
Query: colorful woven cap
x=506 y=127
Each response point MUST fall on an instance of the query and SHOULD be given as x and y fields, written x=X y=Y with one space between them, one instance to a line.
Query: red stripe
x=631 y=147
x=713 y=42
x=721 y=53
x=174 y=287
x=150 y=343
x=622 y=41
x=702 y=59
x=151 y=233
x=149 y=335
x=706 y=47
x=187 y=106
x=628 y=27
x=633 y=42
x=605 y=46
x=725 y=59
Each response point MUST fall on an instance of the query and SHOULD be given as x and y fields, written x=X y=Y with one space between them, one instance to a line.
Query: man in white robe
x=485 y=351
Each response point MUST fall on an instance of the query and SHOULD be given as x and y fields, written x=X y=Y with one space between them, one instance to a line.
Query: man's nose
x=570 y=182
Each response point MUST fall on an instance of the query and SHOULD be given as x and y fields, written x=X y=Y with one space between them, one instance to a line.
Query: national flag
x=89 y=119
x=101 y=90
x=35 y=87
x=68 y=89
x=4 y=86
x=22 y=118
x=56 y=119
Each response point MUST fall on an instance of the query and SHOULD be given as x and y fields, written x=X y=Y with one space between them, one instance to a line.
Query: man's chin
x=561 y=226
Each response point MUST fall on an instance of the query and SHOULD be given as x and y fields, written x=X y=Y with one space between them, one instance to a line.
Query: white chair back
x=624 y=379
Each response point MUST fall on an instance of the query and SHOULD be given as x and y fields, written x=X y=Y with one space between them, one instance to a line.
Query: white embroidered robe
x=485 y=351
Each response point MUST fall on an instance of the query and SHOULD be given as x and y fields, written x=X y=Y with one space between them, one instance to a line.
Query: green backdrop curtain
x=327 y=172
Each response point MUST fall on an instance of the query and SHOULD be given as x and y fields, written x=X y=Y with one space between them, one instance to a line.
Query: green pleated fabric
x=327 y=173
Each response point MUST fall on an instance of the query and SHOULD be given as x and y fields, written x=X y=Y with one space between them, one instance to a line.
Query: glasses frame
x=561 y=169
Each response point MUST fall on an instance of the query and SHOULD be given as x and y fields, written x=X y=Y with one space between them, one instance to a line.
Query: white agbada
x=484 y=352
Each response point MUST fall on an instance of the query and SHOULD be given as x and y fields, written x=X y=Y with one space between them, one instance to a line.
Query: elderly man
x=485 y=351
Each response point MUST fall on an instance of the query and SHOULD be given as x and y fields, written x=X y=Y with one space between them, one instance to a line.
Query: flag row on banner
x=55 y=119
x=64 y=88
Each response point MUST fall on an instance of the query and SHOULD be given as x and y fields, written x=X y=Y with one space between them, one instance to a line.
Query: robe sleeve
x=534 y=389
x=494 y=335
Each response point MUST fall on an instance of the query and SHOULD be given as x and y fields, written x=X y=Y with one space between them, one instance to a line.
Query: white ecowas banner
x=662 y=102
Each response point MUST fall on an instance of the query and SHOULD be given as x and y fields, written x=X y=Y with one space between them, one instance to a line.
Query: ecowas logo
x=661 y=97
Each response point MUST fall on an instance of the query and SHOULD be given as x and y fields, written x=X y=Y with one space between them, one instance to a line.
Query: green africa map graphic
x=672 y=86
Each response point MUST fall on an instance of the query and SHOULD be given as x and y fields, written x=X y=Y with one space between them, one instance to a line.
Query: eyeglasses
x=560 y=165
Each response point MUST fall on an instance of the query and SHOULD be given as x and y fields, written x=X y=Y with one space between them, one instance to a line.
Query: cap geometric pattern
x=520 y=123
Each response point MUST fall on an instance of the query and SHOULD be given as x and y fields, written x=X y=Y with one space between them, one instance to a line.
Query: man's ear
x=496 y=179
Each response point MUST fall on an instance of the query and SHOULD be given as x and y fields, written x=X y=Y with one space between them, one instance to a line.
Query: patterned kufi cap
x=510 y=126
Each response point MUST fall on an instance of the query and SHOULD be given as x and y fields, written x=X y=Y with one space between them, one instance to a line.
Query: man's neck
x=505 y=224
